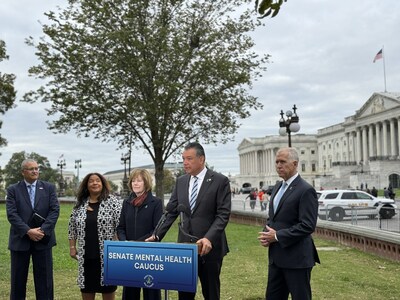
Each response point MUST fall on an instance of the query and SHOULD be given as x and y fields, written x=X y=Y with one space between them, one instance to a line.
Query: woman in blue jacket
x=139 y=216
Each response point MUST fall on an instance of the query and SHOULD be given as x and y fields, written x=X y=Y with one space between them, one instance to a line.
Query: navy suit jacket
x=19 y=213
x=138 y=223
x=210 y=215
x=294 y=221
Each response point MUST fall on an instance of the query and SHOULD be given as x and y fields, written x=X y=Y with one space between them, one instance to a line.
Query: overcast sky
x=322 y=55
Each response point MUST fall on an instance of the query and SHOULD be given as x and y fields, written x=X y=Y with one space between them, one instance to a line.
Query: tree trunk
x=159 y=174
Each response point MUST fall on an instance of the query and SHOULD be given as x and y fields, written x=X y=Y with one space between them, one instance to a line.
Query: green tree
x=7 y=91
x=113 y=186
x=179 y=172
x=157 y=73
x=12 y=170
x=2 y=191
x=169 y=181
x=268 y=7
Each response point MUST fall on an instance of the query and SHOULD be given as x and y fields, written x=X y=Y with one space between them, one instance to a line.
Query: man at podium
x=202 y=199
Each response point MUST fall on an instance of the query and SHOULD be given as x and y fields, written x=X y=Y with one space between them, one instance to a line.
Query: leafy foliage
x=268 y=7
x=7 y=91
x=169 y=181
x=113 y=186
x=157 y=73
x=12 y=170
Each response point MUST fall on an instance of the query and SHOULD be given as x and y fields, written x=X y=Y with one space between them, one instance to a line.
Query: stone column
x=371 y=147
x=364 y=145
x=273 y=162
x=378 y=139
x=241 y=164
x=264 y=166
x=353 y=146
x=385 y=139
x=255 y=162
x=247 y=164
x=347 y=146
x=398 y=136
x=393 y=148
x=270 y=162
x=358 y=146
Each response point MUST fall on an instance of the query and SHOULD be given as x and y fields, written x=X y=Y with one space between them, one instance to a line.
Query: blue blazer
x=19 y=212
x=294 y=221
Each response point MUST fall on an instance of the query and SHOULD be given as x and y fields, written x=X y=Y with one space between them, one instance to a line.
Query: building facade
x=361 y=152
x=257 y=159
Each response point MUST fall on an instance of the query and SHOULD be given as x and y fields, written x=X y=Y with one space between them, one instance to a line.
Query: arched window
x=394 y=179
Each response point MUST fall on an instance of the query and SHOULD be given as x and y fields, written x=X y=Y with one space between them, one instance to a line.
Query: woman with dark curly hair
x=93 y=220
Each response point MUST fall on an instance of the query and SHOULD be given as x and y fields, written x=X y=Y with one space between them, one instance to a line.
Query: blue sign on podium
x=168 y=266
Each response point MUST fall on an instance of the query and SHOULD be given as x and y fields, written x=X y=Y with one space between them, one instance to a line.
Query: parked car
x=337 y=204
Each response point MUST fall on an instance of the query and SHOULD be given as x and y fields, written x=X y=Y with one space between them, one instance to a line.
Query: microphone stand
x=159 y=224
x=182 y=210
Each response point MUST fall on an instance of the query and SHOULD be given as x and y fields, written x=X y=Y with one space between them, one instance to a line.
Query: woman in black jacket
x=139 y=216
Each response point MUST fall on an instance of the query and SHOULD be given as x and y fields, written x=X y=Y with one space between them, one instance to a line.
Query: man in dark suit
x=292 y=219
x=32 y=210
x=204 y=199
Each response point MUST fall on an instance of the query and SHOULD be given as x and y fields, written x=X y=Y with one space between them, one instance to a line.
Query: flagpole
x=384 y=69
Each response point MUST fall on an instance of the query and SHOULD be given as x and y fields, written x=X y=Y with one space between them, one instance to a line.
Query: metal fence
x=356 y=215
x=384 y=218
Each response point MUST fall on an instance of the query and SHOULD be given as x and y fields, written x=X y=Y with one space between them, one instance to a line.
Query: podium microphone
x=183 y=210
x=161 y=221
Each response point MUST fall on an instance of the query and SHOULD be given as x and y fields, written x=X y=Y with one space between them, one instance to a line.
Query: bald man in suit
x=32 y=210
x=292 y=219
x=204 y=220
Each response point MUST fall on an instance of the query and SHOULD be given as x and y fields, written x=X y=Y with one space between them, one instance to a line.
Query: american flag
x=379 y=55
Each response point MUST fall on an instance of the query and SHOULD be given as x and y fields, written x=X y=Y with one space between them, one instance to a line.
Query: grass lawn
x=344 y=273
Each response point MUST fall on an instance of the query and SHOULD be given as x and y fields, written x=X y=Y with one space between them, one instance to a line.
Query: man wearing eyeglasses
x=32 y=210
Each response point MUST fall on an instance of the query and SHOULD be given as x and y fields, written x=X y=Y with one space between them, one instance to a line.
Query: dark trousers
x=281 y=282
x=210 y=283
x=42 y=273
x=133 y=293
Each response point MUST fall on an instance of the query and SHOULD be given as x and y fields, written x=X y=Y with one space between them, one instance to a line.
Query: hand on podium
x=153 y=238
x=204 y=246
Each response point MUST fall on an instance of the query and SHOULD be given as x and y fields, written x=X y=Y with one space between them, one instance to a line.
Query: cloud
x=321 y=60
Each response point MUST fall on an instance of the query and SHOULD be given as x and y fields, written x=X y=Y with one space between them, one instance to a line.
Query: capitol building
x=361 y=152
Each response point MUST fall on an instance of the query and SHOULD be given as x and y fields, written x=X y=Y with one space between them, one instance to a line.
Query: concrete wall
x=379 y=242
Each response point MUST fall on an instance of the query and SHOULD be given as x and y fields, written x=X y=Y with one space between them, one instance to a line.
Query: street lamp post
x=290 y=124
x=124 y=159
x=61 y=164
x=78 y=165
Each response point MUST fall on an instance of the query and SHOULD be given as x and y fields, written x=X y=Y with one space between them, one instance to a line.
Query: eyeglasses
x=31 y=169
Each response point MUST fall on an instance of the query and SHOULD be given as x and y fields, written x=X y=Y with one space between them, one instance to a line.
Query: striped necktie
x=193 y=194
x=32 y=194
x=279 y=195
